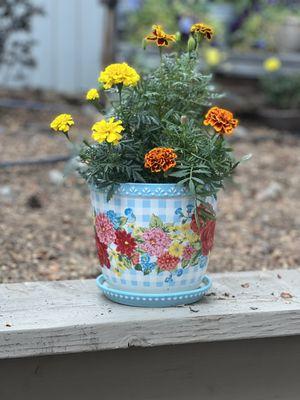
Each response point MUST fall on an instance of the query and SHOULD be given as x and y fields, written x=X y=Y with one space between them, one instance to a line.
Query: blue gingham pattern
x=154 y=299
x=136 y=281
x=143 y=206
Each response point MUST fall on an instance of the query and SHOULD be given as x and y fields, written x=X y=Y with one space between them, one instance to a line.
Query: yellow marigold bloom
x=118 y=74
x=62 y=123
x=92 y=94
x=212 y=56
x=176 y=249
x=272 y=64
x=203 y=29
x=107 y=130
x=160 y=37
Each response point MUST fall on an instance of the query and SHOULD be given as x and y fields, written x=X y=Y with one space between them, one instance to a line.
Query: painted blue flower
x=130 y=215
x=145 y=258
x=113 y=217
x=169 y=279
x=179 y=272
x=190 y=209
x=147 y=266
x=178 y=211
x=178 y=215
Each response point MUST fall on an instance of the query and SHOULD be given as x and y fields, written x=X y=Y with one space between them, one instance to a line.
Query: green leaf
x=195 y=258
x=123 y=221
x=185 y=263
x=192 y=186
x=246 y=158
x=179 y=174
x=155 y=222
x=138 y=267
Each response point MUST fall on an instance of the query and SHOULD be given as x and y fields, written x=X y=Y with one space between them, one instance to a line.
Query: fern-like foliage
x=165 y=109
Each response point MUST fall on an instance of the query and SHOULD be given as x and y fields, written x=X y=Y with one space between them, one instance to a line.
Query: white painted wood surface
x=68 y=45
x=73 y=316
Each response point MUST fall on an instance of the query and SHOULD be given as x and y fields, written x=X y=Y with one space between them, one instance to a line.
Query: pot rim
x=148 y=189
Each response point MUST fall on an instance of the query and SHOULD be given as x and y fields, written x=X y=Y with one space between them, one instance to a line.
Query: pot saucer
x=156 y=299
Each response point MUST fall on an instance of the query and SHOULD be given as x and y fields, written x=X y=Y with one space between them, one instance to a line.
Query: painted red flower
x=167 y=262
x=102 y=253
x=206 y=231
x=125 y=243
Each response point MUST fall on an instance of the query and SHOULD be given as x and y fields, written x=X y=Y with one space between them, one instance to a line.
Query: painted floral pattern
x=122 y=244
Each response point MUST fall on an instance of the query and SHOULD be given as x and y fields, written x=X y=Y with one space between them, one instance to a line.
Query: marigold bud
x=192 y=44
x=183 y=119
x=178 y=36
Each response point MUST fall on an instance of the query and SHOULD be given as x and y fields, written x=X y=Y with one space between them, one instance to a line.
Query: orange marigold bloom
x=159 y=36
x=203 y=29
x=160 y=159
x=221 y=120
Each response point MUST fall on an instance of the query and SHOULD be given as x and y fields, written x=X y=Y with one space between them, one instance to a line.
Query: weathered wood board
x=46 y=318
x=257 y=369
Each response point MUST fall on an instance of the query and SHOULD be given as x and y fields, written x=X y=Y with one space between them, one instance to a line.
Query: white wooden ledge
x=46 y=318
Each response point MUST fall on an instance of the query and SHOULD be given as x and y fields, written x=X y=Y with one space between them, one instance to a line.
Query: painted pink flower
x=104 y=228
x=156 y=241
x=188 y=252
x=135 y=258
x=166 y=262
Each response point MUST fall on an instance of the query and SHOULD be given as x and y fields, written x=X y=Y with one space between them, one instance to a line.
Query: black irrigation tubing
x=30 y=105
x=32 y=162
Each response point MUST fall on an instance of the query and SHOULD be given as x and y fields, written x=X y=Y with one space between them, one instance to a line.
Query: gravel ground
x=45 y=223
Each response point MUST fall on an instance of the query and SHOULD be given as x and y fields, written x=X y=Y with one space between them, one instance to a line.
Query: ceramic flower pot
x=148 y=240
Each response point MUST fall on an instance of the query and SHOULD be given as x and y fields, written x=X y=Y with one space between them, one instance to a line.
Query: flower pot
x=288 y=120
x=149 y=240
x=290 y=41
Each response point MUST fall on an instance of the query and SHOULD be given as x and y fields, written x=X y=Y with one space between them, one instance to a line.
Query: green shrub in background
x=282 y=91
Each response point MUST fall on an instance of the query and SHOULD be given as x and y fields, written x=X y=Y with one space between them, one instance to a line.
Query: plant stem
x=120 y=95
x=68 y=137
x=120 y=87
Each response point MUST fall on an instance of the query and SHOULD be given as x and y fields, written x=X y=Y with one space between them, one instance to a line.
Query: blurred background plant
x=281 y=91
x=268 y=25
x=15 y=40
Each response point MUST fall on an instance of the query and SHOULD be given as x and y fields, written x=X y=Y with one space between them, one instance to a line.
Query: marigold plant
x=162 y=127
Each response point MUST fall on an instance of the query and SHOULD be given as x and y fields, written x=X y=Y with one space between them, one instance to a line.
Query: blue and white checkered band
x=164 y=210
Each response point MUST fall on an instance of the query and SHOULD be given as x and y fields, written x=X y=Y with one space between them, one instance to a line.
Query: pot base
x=154 y=300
